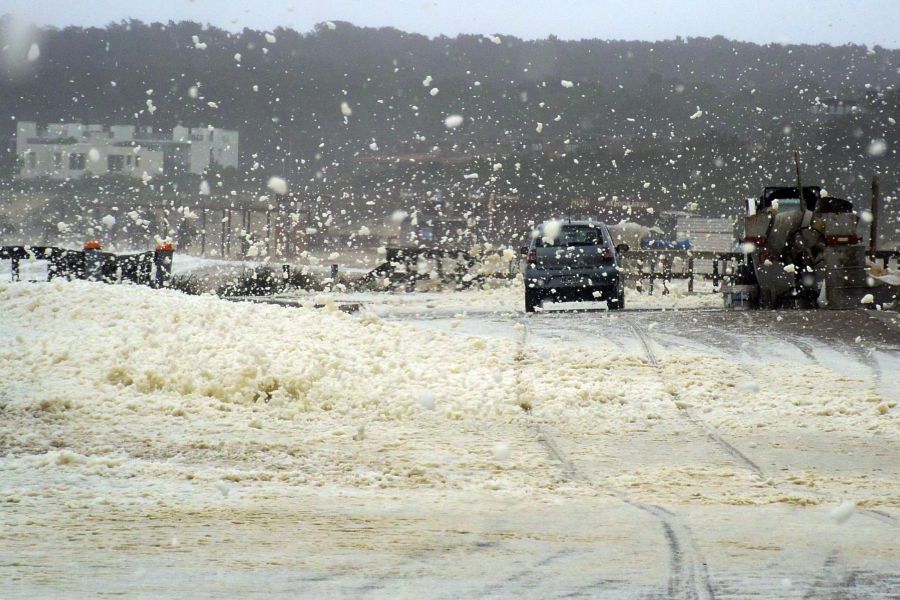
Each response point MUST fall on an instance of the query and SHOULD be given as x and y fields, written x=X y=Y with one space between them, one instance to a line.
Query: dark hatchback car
x=571 y=261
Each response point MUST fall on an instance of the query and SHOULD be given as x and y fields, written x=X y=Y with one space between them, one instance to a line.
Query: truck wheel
x=532 y=299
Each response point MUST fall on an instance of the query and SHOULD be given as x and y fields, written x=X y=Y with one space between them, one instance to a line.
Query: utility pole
x=876 y=206
x=202 y=230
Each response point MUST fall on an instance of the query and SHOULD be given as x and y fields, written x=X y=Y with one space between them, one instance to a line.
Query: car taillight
x=532 y=256
x=765 y=255
x=841 y=240
x=607 y=255
x=759 y=241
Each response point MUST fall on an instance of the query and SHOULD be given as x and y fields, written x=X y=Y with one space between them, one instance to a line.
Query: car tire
x=532 y=299
x=617 y=303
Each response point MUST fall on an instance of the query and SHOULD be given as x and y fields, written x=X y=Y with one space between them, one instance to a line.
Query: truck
x=804 y=251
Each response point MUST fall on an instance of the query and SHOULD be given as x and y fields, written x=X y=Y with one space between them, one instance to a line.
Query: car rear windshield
x=572 y=235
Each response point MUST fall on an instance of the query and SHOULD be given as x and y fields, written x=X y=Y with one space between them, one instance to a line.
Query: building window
x=115 y=163
x=57 y=160
x=128 y=160
x=32 y=160
x=76 y=161
x=137 y=161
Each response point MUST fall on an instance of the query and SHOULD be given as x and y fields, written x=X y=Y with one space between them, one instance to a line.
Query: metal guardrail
x=690 y=264
x=885 y=257
x=653 y=265
x=399 y=265
x=666 y=265
x=153 y=268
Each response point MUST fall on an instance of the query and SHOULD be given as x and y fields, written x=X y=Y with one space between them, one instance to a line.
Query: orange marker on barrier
x=93 y=260
x=162 y=262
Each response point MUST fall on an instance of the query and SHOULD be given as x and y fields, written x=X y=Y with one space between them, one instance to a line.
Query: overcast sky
x=792 y=21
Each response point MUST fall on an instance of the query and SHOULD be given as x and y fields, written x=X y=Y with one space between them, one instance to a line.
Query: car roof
x=582 y=222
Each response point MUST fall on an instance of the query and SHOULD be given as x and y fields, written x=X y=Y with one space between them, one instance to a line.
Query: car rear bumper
x=593 y=279
x=594 y=294
x=593 y=286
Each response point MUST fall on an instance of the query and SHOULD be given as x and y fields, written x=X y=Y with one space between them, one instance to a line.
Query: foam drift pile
x=122 y=396
x=151 y=393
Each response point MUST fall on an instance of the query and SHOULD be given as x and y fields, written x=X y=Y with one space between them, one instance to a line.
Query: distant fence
x=152 y=268
x=400 y=265
x=885 y=256
x=653 y=265
x=666 y=265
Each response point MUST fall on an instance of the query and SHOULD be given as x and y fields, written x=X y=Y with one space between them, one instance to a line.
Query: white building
x=71 y=150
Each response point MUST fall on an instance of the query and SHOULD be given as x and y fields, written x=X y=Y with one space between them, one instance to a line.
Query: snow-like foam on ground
x=141 y=425
x=500 y=295
x=126 y=381
x=127 y=342
x=152 y=385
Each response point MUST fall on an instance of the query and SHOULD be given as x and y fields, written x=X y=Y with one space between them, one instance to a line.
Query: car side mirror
x=621 y=248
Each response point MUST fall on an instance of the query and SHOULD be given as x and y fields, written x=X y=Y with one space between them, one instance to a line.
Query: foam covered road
x=158 y=445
